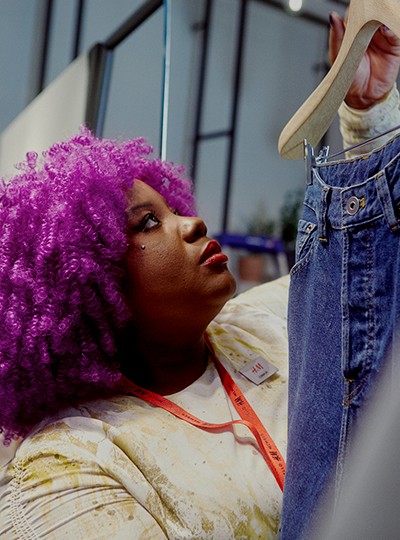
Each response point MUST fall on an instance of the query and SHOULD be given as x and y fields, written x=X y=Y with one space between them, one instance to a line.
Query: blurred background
x=210 y=83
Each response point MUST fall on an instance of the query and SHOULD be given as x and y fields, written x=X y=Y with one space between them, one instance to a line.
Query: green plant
x=289 y=215
x=260 y=224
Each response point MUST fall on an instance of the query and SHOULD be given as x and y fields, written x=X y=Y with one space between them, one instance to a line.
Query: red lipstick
x=212 y=254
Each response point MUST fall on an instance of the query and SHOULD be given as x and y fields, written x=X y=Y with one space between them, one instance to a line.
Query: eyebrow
x=136 y=208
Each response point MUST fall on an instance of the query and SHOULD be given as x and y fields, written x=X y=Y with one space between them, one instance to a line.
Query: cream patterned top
x=357 y=126
x=123 y=469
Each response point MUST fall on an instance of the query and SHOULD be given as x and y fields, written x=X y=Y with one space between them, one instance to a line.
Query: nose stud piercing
x=143 y=246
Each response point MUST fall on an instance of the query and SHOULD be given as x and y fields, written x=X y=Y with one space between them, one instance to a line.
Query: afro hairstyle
x=63 y=239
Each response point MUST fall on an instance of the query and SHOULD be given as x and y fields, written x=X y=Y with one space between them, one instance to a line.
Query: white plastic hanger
x=316 y=114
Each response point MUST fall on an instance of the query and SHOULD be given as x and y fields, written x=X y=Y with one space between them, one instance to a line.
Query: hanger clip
x=309 y=159
x=323 y=155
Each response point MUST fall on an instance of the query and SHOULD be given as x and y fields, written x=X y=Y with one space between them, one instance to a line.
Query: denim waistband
x=353 y=192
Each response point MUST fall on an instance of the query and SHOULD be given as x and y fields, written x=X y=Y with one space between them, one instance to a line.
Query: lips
x=212 y=254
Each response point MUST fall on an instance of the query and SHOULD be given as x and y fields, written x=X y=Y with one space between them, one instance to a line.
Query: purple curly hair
x=62 y=244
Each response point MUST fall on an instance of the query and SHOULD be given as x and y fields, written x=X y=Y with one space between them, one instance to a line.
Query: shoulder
x=270 y=298
x=81 y=434
x=71 y=465
x=82 y=446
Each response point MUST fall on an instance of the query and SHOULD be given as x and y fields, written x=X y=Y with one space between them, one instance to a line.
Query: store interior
x=210 y=84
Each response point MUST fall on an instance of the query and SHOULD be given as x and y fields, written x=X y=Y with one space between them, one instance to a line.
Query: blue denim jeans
x=344 y=309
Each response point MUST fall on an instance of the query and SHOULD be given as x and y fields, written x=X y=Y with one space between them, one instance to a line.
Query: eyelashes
x=149 y=221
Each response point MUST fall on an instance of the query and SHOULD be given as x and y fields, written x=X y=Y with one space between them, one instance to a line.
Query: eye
x=148 y=222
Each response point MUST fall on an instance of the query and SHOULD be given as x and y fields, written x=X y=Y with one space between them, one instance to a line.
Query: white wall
x=53 y=115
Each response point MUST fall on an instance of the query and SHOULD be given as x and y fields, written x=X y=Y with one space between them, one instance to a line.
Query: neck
x=165 y=368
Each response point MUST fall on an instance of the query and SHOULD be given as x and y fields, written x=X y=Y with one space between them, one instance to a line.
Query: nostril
x=203 y=228
x=194 y=229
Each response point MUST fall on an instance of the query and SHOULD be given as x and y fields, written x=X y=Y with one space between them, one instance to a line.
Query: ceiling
x=316 y=9
x=322 y=8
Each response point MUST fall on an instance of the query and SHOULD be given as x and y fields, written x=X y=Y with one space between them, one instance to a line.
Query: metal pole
x=135 y=20
x=100 y=64
x=78 y=29
x=200 y=95
x=45 y=47
x=234 y=112
x=166 y=78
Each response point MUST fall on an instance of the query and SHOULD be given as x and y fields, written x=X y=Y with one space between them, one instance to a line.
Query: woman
x=108 y=281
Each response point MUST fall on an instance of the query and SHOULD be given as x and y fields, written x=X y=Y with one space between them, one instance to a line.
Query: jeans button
x=352 y=205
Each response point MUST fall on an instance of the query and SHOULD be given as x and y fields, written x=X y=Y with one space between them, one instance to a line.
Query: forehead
x=141 y=193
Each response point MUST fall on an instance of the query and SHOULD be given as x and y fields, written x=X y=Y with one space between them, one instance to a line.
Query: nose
x=192 y=228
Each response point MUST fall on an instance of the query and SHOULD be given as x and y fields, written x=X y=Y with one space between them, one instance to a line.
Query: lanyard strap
x=267 y=446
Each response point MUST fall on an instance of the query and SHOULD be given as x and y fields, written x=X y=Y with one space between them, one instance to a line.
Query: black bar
x=100 y=63
x=78 y=29
x=200 y=94
x=135 y=20
x=45 y=47
x=234 y=112
x=214 y=135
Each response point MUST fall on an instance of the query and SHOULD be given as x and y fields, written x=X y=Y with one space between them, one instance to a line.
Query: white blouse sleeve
x=357 y=126
x=51 y=497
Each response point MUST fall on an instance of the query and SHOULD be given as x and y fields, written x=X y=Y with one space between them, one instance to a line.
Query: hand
x=378 y=69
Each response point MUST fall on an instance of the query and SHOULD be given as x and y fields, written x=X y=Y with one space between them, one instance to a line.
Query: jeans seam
x=345 y=352
x=371 y=303
x=304 y=261
x=341 y=454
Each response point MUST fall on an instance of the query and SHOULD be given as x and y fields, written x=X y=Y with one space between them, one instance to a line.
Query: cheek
x=154 y=268
x=162 y=260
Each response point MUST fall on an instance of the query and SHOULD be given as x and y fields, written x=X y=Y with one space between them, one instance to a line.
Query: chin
x=220 y=288
x=234 y=286
x=229 y=288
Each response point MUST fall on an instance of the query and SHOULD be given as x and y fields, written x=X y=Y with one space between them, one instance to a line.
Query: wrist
x=361 y=104
x=384 y=105
x=358 y=125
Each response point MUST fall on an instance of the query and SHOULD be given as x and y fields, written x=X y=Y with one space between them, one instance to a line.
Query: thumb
x=336 y=34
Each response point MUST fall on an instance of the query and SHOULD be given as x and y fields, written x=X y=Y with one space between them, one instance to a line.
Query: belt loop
x=386 y=200
x=322 y=214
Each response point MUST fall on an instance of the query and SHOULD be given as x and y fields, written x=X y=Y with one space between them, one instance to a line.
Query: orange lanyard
x=249 y=418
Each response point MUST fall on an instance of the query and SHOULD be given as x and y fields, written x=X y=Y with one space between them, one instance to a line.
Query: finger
x=386 y=43
x=390 y=36
x=336 y=34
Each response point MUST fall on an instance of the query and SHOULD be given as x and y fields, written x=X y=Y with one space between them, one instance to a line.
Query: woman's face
x=174 y=270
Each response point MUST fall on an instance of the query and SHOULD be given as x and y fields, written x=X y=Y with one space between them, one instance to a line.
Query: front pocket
x=306 y=233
